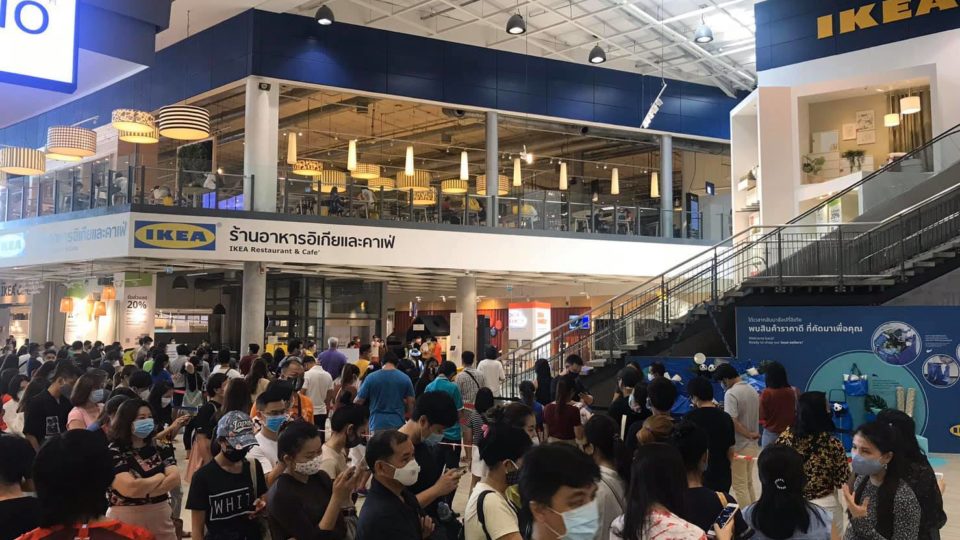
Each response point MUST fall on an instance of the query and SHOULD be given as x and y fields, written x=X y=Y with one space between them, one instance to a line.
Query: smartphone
x=727 y=514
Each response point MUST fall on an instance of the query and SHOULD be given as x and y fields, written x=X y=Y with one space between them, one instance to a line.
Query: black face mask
x=235 y=455
x=354 y=441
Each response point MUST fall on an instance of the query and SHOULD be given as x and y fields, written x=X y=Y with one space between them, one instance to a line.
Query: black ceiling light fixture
x=219 y=310
x=180 y=283
x=516 y=25
x=597 y=55
x=325 y=16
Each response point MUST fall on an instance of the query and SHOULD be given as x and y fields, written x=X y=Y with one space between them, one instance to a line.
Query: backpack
x=480 y=518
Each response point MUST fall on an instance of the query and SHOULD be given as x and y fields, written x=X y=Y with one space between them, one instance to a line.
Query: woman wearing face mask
x=305 y=503
x=160 y=400
x=606 y=448
x=145 y=472
x=140 y=382
x=348 y=426
x=881 y=504
x=16 y=389
x=87 y=399
x=483 y=406
x=656 y=498
x=489 y=514
x=558 y=486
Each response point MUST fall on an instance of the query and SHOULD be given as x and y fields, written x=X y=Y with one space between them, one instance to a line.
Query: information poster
x=137 y=305
x=908 y=355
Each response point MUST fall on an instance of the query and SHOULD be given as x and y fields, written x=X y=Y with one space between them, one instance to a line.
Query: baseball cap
x=237 y=428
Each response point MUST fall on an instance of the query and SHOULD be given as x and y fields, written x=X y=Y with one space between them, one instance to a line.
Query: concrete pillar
x=666 y=185
x=254 y=302
x=40 y=315
x=467 y=304
x=493 y=168
x=261 y=132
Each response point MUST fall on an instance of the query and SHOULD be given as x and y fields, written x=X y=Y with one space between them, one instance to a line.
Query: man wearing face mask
x=391 y=510
x=625 y=410
x=225 y=495
x=558 y=489
x=300 y=406
x=46 y=413
x=272 y=413
x=140 y=382
x=349 y=430
x=488 y=513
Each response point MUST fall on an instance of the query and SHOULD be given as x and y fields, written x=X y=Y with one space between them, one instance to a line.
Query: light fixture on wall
x=516 y=25
x=597 y=55
x=324 y=16
x=180 y=283
x=891 y=120
x=654 y=185
x=291 y=148
x=408 y=162
x=133 y=121
x=22 y=161
x=149 y=137
x=464 y=166
x=703 y=34
x=563 y=176
x=517 y=175
x=68 y=143
x=352 y=155
x=184 y=122
x=66 y=304
x=910 y=105
x=615 y=181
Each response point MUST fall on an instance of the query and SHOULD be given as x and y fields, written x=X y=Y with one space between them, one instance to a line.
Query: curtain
x=914 y=130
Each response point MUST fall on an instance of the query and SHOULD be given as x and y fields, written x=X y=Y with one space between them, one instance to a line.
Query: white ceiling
x=636 y=34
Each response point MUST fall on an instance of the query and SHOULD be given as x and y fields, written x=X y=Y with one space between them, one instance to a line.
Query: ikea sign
x=877 y=13
x=164 y=235
x=38 y=43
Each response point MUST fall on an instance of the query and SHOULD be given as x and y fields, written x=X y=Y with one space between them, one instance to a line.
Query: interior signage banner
x=908 y=356
x=64 y=241
x=38 y=43
x=790 y=32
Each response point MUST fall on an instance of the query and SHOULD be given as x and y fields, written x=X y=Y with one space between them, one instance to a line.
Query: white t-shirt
x=230 y=373
x=332 y=462
x=611 y=498
x=493 y=375
x=498 y=515
x=316 y=383
x=265 y=452
x=13 y=419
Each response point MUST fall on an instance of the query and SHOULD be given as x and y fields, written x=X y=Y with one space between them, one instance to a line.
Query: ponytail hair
x=781 y=511
x=603 y=435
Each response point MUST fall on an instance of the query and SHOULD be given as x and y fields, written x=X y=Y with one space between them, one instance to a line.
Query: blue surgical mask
x=273 y=423
x=865 y=467
x=581 y=523
x=433 y=438
x=143 y=428
x=97 y=395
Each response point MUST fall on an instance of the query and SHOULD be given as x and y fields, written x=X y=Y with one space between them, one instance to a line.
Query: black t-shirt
x=143 y=462
x=227 y=499
x=46 y=416
x=431 y=468
x=719 y=428
x=205 y=423
x=620 y=408
x=702 y=505
x=296 y=508
x=573 y=383
x=18 y=516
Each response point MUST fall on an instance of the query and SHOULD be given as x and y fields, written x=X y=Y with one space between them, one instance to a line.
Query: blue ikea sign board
x=792 y=31
x=913 y=348
x=38 y=43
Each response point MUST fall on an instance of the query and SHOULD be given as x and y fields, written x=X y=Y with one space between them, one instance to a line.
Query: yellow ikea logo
x=160 y=235
x=867 y=16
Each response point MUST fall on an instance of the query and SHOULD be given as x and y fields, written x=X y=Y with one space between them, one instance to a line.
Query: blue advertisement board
x=908 y=356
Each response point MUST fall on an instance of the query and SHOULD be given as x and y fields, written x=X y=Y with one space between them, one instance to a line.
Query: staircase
x=893 y=246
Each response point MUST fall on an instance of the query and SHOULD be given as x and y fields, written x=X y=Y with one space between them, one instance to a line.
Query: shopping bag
x=855 y=383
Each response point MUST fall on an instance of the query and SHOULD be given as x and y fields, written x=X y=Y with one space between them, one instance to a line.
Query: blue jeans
x=768 y=437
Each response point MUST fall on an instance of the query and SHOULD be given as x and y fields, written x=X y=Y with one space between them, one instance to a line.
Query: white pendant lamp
x=910 y=105
x=503 y=184
x=133 y=121
x=418 y=181
x=365 y=171
x=184 y=122
x=307 y=167
x=22 y=161
x=408 y=163
x=615 y=182
x=291 y=148
x=563 y=176
x=352 y=155
x=517 y=177
x=68 y=143
x=149 y=137
x=891 y=120
x=654 y=185
x=464 y=166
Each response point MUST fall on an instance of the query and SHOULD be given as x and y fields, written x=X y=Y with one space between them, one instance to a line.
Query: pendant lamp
x=517 y=177
x=89 y=305
x=68 y=143
x=366 y=171
x=464 y=166
x=597 y=55
x=352 y=155
x=654 y=185
x=100 y=309
x=424 y=198
x=307 y=167
x=291 y=148
x=135 y=137
x=331 y=179
x=891 y=120
x=455 y=186
x=503 y=184
x=66 y=304
x=180 y=283
x=910 y=105
x=563 y=176
x=133 y=121
x=615 y=181
x=376 y=184
x=418 y=181
x=219 y=309
x=184 y=122
x=408 y=163
x=22 y=161
x=108 y=293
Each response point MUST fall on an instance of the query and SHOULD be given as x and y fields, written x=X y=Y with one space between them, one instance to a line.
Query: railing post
x=143 y=187
x=39 y=196
x=543 y=212
x=379 y=205
x=286 y=195
x=91 y=203
x=569 y=215
x=24 y=192
x=663 y=300
x=840 y=253
x=410 y=196
x=73 y=191
x=636 y=219
x=713 y=278
x=903 y=250
x=780 y=256
x=591 y=222
x=56 y=195
x=466 y=210
x=110 y=177
x=613 y=333
x=439 y=193
x=616 y=219
x=6 y=204
x=129 y=198
x=520 y=212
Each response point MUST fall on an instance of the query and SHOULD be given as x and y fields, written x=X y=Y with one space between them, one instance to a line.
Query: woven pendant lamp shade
x=307 y=167
x=108 y=293
x=133 y=121
x=20 y=161
x=99 y=309
x=66 y=304
x=149 y=137
x=67 y=143
x=184 y=122
x=424 y=198
x=455 y=186
x=418 y=181
x=331 y=179
x=386 y=183
x=503 y=185
x=366 y=171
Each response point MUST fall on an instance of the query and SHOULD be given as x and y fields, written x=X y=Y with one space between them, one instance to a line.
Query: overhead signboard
x=38 y=43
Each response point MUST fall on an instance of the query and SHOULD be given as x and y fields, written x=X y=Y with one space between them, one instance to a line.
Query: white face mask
x=144 y=394
x=20 y=394
x=165 y=401
x=308 y=468
x=408 y=474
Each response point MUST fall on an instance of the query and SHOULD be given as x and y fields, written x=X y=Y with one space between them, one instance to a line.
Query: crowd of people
x=290 y=443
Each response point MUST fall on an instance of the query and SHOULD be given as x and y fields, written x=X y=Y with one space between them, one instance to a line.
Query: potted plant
x=855 y=158
x=812 y=166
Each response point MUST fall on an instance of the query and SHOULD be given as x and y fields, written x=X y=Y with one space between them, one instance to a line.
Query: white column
x=467 y=305
x=40 y=315
x=261 y=132
x=666 y=185
x=253 y=306
x=493 y=169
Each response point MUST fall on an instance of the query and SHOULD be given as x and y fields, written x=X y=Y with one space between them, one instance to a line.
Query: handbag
x=855 y=383
x=265 y=533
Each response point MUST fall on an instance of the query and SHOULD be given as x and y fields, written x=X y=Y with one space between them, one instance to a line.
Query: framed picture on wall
x=867 y=137
x=865 y=120
x=849 y=132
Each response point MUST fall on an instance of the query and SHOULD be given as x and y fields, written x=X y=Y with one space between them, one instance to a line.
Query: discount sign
x=38 y=43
